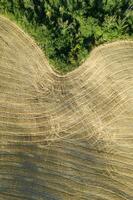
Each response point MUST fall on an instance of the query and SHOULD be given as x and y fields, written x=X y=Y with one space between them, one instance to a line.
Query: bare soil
x=65 y=137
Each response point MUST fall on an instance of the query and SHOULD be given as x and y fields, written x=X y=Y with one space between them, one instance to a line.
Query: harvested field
x=65 y=137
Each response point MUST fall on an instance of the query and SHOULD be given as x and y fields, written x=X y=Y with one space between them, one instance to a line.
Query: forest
x=67 y=30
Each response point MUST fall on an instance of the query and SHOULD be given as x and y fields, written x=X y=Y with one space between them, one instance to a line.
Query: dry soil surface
x=65 y=137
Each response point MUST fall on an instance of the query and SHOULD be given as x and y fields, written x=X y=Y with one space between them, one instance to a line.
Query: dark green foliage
x=68 y=29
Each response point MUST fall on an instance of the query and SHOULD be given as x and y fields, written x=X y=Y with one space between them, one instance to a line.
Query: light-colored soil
x=65 y=137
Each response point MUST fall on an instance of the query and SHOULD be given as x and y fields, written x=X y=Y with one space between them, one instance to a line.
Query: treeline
x=68 y=29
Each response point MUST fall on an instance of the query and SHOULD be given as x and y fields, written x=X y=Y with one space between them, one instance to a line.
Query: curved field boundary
x=65 y=137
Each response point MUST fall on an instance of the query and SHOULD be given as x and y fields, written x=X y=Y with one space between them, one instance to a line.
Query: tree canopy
x=68 y=29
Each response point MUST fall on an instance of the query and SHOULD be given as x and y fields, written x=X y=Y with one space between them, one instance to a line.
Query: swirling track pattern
x=65 y=137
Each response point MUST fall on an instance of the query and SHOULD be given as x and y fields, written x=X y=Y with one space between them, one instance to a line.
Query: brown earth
x=65 y=137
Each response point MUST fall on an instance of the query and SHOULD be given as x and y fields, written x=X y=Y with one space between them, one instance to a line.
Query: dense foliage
x=68 y=29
